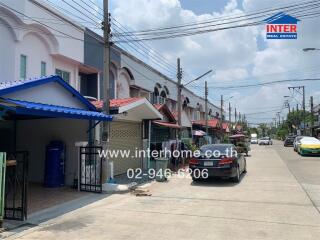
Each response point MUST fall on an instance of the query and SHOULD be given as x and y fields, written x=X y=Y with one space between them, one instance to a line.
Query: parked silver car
x=265 y=141
x=296 y=142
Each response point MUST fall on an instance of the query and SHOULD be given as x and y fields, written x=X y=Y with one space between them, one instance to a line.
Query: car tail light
x=224 y=161
x=194 y=161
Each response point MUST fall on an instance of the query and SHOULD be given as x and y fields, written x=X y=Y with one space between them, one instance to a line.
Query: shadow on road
x=216 y=182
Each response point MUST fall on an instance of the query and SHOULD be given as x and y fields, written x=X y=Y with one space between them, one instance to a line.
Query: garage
x=42 y=121
x=126 y=136
x=128 y=131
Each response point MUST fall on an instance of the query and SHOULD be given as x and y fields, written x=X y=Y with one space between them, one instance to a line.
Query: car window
x=222 y=148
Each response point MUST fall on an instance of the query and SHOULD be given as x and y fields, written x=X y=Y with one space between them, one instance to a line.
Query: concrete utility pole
x=303 y=104
x=229 y=112
x=312 y=114
x=179 y=78
x=221 y=116
x=206 y=92
x=279 y=118
x=105 y=136
x=304 y=109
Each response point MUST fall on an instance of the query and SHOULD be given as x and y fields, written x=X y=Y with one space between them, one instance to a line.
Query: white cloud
x=220 y=50
x=233 y=54
x=230 y=75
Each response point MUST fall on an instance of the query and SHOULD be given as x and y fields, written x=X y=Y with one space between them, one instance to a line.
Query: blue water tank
x=55 y=163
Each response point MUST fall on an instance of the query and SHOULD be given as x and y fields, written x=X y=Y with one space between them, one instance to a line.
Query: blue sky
x=204 y=6
x=238 y=56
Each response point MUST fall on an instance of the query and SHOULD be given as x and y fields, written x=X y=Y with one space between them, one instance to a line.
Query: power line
x=263 y=112
x=158 y=62
x=74 y=15
x=217 y=19
x=265 y=83
x=89 y=17
x=149 y=51
x=197 y=31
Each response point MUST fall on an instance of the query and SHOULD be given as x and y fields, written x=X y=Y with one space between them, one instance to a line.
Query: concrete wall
x=34 y=135
x=51 y=93
x=147 y=78
x=20 y=35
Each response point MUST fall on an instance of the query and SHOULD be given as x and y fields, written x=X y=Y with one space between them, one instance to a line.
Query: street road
x=273 y=201
x=306 y=170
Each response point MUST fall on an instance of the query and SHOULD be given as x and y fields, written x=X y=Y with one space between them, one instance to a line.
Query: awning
x=237 y=136
x=51 y=111
x=212 y=123
x=166 y=124
x=135 y=109
x=198 y=133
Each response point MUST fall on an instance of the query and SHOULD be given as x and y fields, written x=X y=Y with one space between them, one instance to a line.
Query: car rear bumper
x=218 y=171
x=309 y=151
x=288 y=144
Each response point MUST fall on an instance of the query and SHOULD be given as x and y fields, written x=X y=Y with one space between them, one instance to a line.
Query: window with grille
x=64 y=75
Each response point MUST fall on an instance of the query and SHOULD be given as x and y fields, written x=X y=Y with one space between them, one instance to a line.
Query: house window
x=23 y=67
x=197 y=115
x=64 y=75
x=43 y=69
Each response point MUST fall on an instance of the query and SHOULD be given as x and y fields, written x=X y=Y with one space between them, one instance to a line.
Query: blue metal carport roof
x=45 y=110
x=22 y=107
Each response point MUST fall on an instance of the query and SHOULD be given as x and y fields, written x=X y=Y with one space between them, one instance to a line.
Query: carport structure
x=34 y=113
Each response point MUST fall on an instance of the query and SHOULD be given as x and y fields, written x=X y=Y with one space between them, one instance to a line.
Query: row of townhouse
x=316 y=123
x=51 y=86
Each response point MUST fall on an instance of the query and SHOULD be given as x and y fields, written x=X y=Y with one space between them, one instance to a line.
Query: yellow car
x=308 y=146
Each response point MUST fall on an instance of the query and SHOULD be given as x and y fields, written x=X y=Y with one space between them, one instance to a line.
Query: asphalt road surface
x=306 y=170
x=275 y=200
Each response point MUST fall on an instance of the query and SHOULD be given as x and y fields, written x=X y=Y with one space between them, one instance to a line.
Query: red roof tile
x=122 y=101
x=175 y=114
x=239 y=127
x=225 y=125
x=115 y=102
x=166 y=124
x=164 y=109
x=211 y=122
x=158 y=106
x=98 y=104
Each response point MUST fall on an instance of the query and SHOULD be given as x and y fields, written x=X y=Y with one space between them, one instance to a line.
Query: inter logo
x=282 y=26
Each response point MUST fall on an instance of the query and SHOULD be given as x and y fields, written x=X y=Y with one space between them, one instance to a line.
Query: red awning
x=120 y=102
x=213 y=123
x=237 y=136
x=166 y=124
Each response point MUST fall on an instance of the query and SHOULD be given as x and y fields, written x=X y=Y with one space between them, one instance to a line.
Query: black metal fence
x=90 y=169
x=15 y=205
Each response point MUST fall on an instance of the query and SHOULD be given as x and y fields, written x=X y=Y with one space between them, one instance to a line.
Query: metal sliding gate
x=15 y=207
x=90 y=169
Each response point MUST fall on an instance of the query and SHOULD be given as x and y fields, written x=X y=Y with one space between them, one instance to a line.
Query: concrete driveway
x=269 y=203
